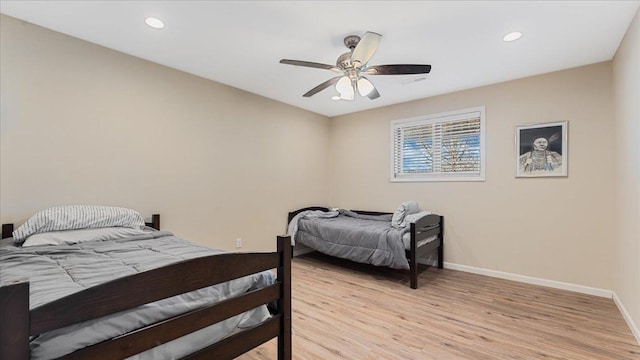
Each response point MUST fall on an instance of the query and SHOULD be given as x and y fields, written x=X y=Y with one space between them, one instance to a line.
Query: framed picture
x=541 y=150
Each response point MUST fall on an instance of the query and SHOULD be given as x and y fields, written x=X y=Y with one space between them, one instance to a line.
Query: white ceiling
x=239 y=43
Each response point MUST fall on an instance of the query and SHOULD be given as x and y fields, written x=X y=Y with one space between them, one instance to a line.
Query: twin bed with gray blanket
x=121 y=298
x=368 y=237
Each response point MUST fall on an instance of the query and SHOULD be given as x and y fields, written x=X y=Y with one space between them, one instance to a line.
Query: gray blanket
x=361 y=238
x=57 y=271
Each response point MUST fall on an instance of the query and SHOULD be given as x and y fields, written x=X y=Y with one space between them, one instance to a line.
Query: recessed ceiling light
x=154 y=22
x=512 y=36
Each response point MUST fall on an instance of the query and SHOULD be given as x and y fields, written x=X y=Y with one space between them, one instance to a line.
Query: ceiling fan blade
x=322 y=86
x=365 y=48
x=310 y=64
x=397 y=69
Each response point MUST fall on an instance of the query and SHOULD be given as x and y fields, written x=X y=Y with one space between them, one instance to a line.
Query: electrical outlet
x=238 y=243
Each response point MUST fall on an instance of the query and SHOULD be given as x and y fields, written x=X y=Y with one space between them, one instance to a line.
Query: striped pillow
x=72 y=217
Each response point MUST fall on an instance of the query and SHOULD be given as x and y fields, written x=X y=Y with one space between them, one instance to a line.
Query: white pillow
x=411 y=218
x=406 y=208
x=73 y=217
x=70 y=237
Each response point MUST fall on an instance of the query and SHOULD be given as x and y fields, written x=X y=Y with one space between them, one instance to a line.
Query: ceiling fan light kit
x=345 y=88
x=364 y=86
x=353 y=64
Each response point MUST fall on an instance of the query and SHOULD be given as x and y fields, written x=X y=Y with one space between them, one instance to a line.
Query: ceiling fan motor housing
x=351 y=41
x=344 y=61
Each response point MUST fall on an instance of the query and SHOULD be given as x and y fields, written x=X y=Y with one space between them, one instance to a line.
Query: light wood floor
x=343 y=310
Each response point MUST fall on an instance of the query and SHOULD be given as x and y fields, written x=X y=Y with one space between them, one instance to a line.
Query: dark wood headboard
x=7 y=229
x=155 y=221
x=294 y=213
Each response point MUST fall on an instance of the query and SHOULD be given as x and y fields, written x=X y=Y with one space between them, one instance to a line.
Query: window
x=440 y=147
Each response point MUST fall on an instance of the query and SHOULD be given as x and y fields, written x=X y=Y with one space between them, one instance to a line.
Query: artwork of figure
x=540 y=158
x=541 y=149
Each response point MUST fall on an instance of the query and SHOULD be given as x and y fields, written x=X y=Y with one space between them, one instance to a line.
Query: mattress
x=58 y=271
x=358 y=238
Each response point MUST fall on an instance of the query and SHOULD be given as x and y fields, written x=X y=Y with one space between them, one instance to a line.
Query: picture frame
x=541 y=150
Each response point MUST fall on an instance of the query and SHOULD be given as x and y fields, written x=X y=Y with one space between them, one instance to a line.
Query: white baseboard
x=531 y=280
x=625 y=314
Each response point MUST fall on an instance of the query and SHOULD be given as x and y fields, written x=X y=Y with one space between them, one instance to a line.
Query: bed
x=206 y=304
x=368 y=237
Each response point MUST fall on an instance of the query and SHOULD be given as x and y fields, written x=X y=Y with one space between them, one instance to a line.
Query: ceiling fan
x=353 y=66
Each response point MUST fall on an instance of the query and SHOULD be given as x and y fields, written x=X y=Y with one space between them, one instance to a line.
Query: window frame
x=433 y=119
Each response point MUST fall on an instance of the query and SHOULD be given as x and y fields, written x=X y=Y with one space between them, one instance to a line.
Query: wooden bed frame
x=18 y=323
x=425 y=227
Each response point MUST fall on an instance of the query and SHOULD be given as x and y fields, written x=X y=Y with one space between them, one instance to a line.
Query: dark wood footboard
x=426 y=227
x=423 y=229
x=18 y=323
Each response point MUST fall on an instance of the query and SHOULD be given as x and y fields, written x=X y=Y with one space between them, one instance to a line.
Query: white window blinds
x=442 y=147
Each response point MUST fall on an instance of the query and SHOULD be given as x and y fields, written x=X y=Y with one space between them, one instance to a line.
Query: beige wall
x=626 y=79
x=552 y=228
x=85 y=124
